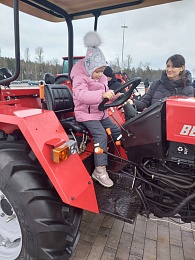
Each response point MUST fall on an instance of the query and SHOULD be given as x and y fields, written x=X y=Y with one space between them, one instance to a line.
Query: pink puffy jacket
x=87 y=94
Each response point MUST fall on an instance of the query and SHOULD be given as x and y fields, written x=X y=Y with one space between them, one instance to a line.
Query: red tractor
x=46 y=156
x=64 y=77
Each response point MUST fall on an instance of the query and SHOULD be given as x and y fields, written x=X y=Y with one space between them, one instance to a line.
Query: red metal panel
x=180 y=119
x=16 y=92
x=70 y=177
x=117 y=115
x=26 y=97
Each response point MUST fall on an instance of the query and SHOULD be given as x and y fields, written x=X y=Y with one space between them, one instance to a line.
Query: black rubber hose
x=161 y=214
x=176 y=173
x=158 y=187
x=185 y=187
x=185 y=176
x=143 y=200
x=163 y=176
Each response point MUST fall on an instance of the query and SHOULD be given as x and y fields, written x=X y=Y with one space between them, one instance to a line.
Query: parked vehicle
x=25 y=81
x=16 y=82
x=46 y=157
x=64 y=78
x=31 y=82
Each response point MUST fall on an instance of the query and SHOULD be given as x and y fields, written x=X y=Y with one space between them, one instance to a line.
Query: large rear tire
x=34 y=223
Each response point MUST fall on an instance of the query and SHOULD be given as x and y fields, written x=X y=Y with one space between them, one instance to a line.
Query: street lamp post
x=124 y=27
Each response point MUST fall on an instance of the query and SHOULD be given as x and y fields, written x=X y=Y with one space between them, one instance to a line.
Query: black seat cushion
x=59 y=99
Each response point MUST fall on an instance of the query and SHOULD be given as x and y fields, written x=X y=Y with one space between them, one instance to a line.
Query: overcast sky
x=153 y=34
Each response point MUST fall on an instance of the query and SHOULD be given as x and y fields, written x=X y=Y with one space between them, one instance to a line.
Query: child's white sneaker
x=100 y=174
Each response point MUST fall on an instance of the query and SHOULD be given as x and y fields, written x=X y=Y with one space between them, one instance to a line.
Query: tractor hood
x=79 y=9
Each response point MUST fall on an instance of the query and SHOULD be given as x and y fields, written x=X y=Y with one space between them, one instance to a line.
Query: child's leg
x=100 y=139
x=100 y=160
x=115 y=130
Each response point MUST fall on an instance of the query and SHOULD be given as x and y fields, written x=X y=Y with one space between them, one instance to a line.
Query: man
x=146 y=85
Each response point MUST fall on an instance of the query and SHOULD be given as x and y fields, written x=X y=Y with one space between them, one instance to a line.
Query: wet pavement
x=106 y=238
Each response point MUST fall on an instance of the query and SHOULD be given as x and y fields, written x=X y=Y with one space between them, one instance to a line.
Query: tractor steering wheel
x=122 y=98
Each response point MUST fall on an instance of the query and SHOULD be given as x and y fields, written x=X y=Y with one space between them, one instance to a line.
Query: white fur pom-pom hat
x=94 y=58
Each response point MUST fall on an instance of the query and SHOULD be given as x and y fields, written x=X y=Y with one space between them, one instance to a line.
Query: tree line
x=35 y=70
x=143 y=71
x=32 y=70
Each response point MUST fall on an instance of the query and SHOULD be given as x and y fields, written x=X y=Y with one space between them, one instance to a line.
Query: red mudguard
x=41 y=129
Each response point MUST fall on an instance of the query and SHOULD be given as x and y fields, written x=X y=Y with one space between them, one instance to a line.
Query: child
x=89 y=89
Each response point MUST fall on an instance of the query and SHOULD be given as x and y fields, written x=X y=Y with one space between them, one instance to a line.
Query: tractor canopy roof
x=77 y=9
x=68 y=10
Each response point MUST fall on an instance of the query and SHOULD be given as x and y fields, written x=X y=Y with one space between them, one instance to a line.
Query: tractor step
x=119 y=201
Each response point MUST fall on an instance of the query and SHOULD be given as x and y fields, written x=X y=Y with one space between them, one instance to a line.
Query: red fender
x=41 y=128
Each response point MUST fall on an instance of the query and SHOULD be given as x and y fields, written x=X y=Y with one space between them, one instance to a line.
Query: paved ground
x=105 y=238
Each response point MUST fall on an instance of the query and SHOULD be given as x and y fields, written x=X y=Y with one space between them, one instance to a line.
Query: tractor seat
x=59 y=99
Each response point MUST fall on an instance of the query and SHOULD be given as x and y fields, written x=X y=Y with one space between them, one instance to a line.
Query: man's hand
x=130 y=101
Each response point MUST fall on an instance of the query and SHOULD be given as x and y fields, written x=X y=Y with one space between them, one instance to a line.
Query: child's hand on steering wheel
x=109 y=94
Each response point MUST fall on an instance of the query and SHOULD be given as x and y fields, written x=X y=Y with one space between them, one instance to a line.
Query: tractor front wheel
x=34 y=223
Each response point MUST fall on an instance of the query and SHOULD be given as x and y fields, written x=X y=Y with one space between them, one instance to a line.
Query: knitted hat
x=94 y=58
x=108 y=72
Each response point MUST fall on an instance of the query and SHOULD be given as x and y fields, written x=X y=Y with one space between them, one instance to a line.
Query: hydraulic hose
x=185 y=187
x=159 y=213
x=158 y=187
x=167 y=179
x=147 y=171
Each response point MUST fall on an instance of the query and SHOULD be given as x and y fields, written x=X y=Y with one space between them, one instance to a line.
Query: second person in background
x=175 y=81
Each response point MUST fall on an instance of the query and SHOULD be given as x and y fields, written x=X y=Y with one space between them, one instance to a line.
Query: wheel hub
x=10 y=231
x=6 y=207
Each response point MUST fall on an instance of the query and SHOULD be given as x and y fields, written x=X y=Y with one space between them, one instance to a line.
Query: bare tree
x=39 y=55
x=39 y=59
x=26 y=64
x=129 y=61
x=27 y=54
x=115 y=65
